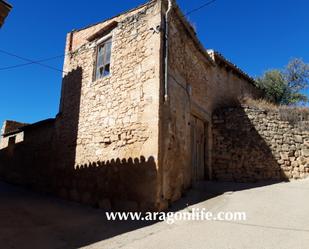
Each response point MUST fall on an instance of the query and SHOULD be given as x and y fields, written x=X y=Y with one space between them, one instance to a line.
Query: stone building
x=5 y=9
x=134 y=129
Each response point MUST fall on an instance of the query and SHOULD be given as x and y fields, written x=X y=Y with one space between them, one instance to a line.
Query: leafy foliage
x=284 y=86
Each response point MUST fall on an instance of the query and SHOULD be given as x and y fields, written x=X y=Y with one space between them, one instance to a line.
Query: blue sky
x=256 y=35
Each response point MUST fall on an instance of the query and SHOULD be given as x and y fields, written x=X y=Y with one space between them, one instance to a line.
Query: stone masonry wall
x=4 y=140
x=114 y=120
x=114 y=143
x=197 y=86
x=29 y=162
x=102 y=149
x=116 y=116
x=252 y=144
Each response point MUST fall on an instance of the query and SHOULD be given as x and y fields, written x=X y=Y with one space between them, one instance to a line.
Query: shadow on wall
x=118 y=184
x=45 y=161
x=66 y=132
x=122 y=183
x=49 y=147
x=28 y=162
x=240 y=153
x=242 y=158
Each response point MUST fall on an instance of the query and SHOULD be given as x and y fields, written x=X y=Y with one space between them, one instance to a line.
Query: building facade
x=134 y=128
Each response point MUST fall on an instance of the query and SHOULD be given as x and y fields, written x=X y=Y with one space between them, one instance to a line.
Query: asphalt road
x=277 y=217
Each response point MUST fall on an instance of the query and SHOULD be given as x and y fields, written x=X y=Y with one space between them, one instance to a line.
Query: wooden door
x=198 y=149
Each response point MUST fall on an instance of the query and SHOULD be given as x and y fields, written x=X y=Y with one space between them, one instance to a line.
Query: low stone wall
x=119 y=184
x=252 y=144
x=29 y=162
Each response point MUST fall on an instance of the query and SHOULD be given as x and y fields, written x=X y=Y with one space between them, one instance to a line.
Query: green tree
x=284 y=86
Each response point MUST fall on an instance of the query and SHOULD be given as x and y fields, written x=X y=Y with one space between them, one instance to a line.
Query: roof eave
x=111 y=18
x=6 y=4
x=193 y=35
x=29 y=126
x=219 y=58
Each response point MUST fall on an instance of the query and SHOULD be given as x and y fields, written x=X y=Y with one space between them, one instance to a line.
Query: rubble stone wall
x=102 y=148
x=29 y=162
x=116 y=116
x=252 y=144
x=197 y=86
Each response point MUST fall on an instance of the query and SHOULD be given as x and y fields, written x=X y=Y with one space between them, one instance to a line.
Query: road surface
x=277 y=217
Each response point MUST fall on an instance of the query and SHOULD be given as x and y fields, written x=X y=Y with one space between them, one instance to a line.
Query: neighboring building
x=5 y=9
x=125 y=137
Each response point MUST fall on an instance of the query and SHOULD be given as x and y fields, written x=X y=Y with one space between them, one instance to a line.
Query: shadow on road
x=31 y=220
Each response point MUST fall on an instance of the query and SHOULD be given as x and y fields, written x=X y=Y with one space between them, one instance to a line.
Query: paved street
x=277 y=217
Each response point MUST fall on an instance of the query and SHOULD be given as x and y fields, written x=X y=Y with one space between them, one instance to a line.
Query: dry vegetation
x=295 y=115
x=259 y=103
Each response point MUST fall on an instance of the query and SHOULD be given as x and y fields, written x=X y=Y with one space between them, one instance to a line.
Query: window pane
x=100 y=56
x=106 y=70
x=99 y=73
x=107 y=57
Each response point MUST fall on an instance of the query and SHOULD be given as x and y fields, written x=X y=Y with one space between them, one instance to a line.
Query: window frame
x=100 y=43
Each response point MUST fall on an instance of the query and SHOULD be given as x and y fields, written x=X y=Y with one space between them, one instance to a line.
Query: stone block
x=284 y=155
x=296 y=174
x=298 y=139
x=305 y=152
